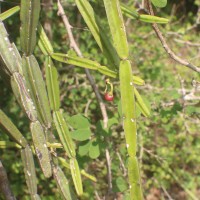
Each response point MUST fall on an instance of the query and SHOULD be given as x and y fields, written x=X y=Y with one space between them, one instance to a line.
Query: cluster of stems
x=41 y=101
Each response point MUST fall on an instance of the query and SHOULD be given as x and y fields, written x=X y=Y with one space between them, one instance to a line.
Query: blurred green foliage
x=169 y=141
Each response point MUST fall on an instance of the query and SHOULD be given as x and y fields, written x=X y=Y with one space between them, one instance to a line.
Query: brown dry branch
x=47 y=7
x=122 y=165
x=188 y=43
x=74 y=45
x=4 y=184
x=109 y=174
x=165 y=45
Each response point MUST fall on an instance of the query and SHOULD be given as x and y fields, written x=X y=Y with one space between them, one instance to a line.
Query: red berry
x=108 y=97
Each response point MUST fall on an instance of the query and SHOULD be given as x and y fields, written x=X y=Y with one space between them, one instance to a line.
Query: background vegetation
x=169 y=141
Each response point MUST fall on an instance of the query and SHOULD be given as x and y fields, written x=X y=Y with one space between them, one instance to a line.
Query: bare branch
x=165 y=45
x=74 y=45
x=109 y=174
x=4 y=184
x=187 y=43
x=122 y=164
x=47 y=7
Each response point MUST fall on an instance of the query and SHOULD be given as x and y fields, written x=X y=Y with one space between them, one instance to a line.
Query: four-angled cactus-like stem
x=117 y=28
x=41 y=101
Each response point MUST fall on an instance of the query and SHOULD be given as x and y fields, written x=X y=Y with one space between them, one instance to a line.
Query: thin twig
x=166 y=193
x=74 y=45
x=47 y=7
x=122 y=164
x=165 y=45
x=109 y=173
x=4 y=184
x=97 y=195
x=183 y=104
x=187 y=43
x=87 y=107
x=163 y=188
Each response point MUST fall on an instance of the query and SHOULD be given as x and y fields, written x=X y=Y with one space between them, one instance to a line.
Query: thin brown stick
x=109 y=174
x=165 y=45
x=47 y=7
x=74 y=45
x=122 y=164
x=188 y=43
x=4 y=184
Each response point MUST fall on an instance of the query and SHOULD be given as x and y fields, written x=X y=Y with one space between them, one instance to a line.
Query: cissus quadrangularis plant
x=42 y=106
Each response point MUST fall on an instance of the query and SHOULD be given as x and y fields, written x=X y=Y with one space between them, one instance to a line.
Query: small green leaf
x=82 y=126
x=81 y=134
x=159 y=3
x=79 y=121
x=121 y=184
x=112 y=121
x=84 y=148
x=94 y=150
x=104 y=131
